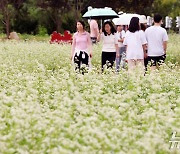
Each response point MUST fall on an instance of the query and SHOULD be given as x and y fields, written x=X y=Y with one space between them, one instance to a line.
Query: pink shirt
x=81 y=42
x=94 y=30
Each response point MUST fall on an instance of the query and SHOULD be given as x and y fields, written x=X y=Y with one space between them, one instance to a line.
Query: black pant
x=156 y=60
x=108 y=59
x=80 y=59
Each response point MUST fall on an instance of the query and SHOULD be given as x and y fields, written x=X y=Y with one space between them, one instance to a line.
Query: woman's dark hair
x=113 y=30
x=143 y=27
x=82 y=23
x=134 y=25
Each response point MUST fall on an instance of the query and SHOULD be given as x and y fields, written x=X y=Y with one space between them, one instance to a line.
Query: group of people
x=137 y=45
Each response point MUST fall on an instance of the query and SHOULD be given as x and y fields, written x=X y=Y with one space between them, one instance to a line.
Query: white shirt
x=155 y=36
x=109 y=42
x=134 y=42
x=120 y=35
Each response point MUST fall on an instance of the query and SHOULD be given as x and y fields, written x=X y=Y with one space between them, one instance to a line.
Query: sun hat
x=143 y=19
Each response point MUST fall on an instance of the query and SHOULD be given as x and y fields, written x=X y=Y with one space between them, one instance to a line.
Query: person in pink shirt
x=81 y=47
x=94 y=30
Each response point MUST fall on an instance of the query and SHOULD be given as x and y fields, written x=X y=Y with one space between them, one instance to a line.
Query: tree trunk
x=76 y=9
x=58 y=25
x=7 y=25
x=6 y=21
x=56 y=17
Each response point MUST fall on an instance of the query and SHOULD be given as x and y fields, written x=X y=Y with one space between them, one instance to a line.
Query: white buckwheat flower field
x=47 y=108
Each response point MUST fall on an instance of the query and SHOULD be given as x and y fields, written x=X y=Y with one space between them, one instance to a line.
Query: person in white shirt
x=135 y=42
x=122 y=49
x=157 y=42
x=110 y=45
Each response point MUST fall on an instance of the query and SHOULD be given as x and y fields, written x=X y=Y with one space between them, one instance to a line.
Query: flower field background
x=45 y=107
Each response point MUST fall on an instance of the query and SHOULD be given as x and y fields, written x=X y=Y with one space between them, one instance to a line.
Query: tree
x=167 y=7
x=55 y=9
x=7 y=8
x=6 y=13
x=27 y=18
x=129 y=6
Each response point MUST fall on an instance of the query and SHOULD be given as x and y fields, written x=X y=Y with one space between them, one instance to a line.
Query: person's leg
x=161 y=60
x=131 y=65
x=140 y=62
x=111 y=59
x=77 y=62
x=153 y=62
x=140 y=65
x=153 y=68
x=85 y=62
x=103 y=60
x=118 y=59
x=117 y=64
x=123 y=57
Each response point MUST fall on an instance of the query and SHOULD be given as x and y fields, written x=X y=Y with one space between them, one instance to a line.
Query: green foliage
x=42 y=30
x=69 y=22
x=173 y=49
x=167 y=7
x=1 y=28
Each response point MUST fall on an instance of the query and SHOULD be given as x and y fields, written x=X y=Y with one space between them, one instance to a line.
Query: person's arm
x=96 y=29
x=144 y=49
x=73 y=47
x=165 y=40
x=116 y=46
x=125 y=44
x=144 y=43
x=123 y=36
x=165 y=46
x=121 y=40
x=89 y=45
x=99 y=35
x=117 y=51
x=125 y=48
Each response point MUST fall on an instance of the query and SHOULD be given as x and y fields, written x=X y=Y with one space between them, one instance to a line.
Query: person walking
x=81 y=48
x=94 y=30
x=157 y=43
x=122 y=49
x=110 y=45
x=135 y=43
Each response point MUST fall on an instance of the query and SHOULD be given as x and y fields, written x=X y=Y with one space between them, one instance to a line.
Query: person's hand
x=90 y=55
x=117 y=55
x=100 y=31
x=145 y=55
x=165 y=52
x=120 y=40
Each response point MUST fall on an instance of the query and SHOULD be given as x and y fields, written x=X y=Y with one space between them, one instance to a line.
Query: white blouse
x=109 y=42
x=134 y=42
